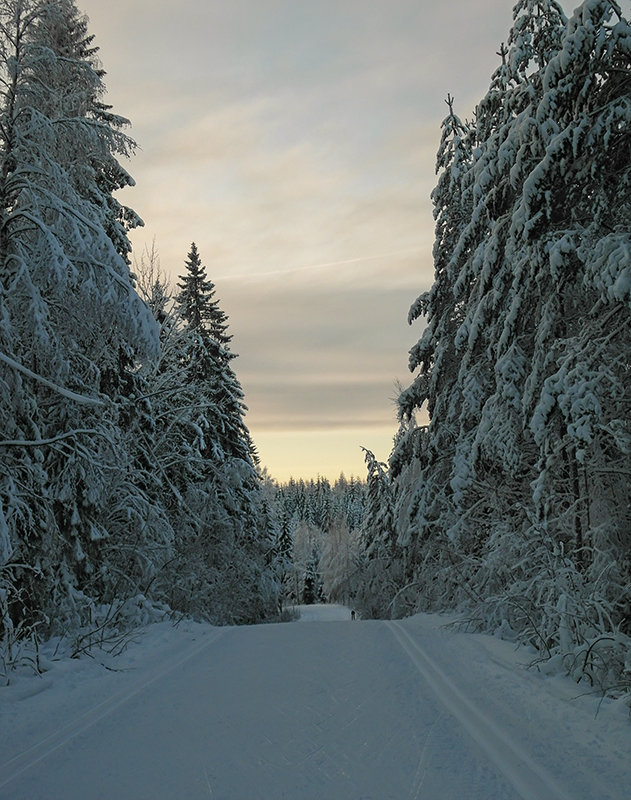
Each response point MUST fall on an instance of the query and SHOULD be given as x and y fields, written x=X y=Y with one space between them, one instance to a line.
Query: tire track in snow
x=24 y=761
x=529 y=780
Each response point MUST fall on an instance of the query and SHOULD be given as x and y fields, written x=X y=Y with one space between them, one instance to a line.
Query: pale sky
x=294 y=141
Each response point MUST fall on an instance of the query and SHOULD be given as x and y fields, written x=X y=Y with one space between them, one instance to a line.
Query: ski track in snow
x=15 y=766
x=326 y=710
x=530 y=781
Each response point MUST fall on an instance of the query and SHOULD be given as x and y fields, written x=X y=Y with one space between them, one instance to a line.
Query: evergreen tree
x=211 y=357
x=382 y=575
x=512 y=502
x=69 y=316
x=223 y=563
x=284 y=552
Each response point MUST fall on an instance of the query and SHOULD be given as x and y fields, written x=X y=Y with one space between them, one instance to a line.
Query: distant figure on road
x=352 y=615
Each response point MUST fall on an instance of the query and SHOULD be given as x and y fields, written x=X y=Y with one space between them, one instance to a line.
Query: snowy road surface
x=328 y=710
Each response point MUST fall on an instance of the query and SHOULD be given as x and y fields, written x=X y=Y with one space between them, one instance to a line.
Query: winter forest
x=130 y=487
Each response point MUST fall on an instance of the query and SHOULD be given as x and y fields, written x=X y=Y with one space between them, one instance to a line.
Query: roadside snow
x=331 y=709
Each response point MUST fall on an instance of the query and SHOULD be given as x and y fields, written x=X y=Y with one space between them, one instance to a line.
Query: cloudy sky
x=294 y=141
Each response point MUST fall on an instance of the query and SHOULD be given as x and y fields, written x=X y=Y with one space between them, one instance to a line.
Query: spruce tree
x=283 y=550
x=69 y=315
x=382 y=574
x=224 y=547
x=211 y=357
x=510 y=503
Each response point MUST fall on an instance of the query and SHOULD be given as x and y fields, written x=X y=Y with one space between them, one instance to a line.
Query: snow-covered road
x=326 y=710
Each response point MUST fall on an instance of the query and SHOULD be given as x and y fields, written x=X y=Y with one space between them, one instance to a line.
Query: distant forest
x=130 y=487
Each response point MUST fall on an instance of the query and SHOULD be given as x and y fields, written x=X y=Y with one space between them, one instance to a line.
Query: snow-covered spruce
x=513 y=502
x=109 y=491
x=71 y=329
x=221 y=560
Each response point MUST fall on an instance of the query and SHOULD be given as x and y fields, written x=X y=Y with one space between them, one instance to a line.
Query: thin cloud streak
x=254 y=276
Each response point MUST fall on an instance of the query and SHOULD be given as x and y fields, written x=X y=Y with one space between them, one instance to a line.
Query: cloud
x=287 y=272
x=252 y=207
x=277 y=134
x=295 y=144
x=312 y=357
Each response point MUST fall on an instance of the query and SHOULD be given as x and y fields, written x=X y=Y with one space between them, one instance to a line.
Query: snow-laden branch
x=65 y=208
x=77 y=398
x=52 y=440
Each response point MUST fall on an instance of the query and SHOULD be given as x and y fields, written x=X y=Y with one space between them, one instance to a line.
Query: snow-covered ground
x=328 y=710
x=323 y=613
